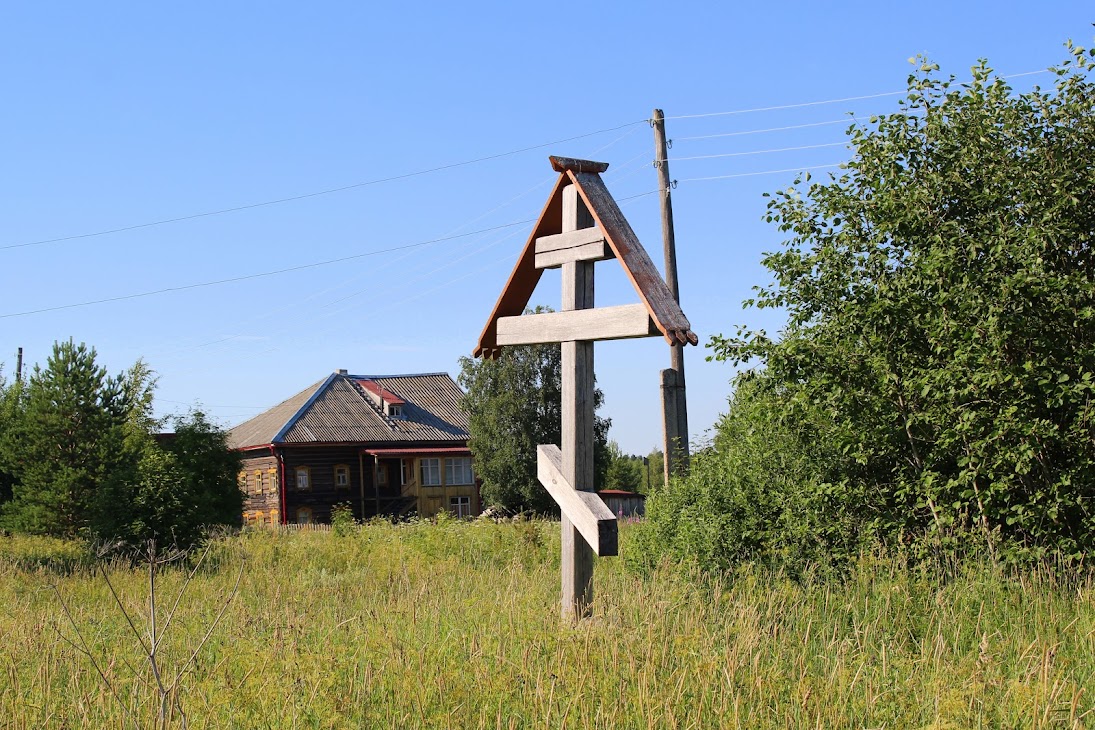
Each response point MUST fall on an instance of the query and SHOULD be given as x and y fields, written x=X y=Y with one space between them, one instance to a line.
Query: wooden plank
x=607 y=323
x=525 y=276
x=580 y=237
x=591 y=252
x=671 y=436
x=577 y=401
x=646 y=279
x=562 y=164
x=585 y=510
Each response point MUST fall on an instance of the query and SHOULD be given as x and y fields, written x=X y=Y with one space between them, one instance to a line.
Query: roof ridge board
x=304 y=408
x=645 y=278
x=404 y=375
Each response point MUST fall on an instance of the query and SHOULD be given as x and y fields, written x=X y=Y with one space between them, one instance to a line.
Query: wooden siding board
x=323 y=495
x=644 y=276
x=268 y=500
x=664 y=310
x=525 y=276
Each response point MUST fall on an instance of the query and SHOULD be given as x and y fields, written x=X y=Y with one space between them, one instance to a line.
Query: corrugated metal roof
x=336 y=410
x=262 y=429
x=381 y=393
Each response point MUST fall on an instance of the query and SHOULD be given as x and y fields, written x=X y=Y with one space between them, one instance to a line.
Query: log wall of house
x=259 y=481
x=314 y=502
x=398 y=490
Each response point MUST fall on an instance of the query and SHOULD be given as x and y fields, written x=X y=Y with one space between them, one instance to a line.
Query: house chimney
x=342 y=372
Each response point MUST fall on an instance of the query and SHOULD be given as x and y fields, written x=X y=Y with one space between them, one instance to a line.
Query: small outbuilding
x=624 y=503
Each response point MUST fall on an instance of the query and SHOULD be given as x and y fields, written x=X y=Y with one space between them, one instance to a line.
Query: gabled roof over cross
x=664 y=311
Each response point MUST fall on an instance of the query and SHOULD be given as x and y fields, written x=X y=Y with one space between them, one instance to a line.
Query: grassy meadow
x=456 y=625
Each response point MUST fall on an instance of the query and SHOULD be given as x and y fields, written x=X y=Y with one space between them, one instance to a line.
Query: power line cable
x=763 y=172
x=318 y=193
x=845 y=120
x=614 y=174
x=301 y=267
x=755 y=152
x=259 y=275
x=826 y=101
x=464 y=163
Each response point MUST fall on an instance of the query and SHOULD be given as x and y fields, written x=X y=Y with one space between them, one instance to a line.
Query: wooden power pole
x=674 y=401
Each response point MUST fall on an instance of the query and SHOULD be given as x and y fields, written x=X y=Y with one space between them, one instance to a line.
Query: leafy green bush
x=933 y=387
x=756 y=494
x=342 y=519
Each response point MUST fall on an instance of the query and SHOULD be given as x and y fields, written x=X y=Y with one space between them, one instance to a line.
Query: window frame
x=430 y=466
x=458 y=503
x=466 y=471
x=339 y=470
x=304 y=512
x=306 y=472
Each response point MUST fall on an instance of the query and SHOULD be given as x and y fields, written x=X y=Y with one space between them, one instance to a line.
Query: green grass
x=457 y=625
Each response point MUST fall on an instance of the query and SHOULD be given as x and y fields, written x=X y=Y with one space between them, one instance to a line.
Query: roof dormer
x=388 y=402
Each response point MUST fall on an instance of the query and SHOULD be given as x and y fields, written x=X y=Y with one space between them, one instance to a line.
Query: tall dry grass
x=456 y=625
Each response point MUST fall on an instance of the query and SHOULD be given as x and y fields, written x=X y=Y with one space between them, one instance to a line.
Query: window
x=431 y=472
x=458 y=471
x=381 y=476
x=395 y=410
x=342 y=476
x=304 y=477
x=460 y=506
x=258 y=483
x=304 y=515
x=402 y=471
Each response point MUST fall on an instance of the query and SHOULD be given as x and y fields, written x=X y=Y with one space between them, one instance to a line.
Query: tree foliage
x=513 y=405
x=624 y=471
x=78 y=458
x=940 y=337
x=754 y=493
x=209 y=469
x=68 y=446
x=10 y=399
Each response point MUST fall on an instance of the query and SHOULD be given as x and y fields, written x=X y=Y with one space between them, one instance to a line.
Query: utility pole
x=674 y=400
x=19 y=366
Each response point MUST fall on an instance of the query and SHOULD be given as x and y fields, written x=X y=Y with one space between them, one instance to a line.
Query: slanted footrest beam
x=585 y=510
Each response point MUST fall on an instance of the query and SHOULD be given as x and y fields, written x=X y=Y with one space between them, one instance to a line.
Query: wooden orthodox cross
x=580 y=225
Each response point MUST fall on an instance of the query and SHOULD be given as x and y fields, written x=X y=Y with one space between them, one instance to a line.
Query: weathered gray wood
x=562 y=164
x=571 y=239
x=524 y=277
x=605 y=323
x=591 y=252
x=670 y=424
x=645 y=277
x=577 y=417
x=585 y=510
x=676 y=429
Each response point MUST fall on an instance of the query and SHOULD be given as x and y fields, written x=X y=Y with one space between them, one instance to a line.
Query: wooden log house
x=384 y=445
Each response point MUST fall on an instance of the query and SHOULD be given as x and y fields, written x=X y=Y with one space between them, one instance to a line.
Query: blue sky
x=118 y=115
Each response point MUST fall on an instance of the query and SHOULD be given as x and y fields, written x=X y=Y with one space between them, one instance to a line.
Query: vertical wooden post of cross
x=577 y=416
